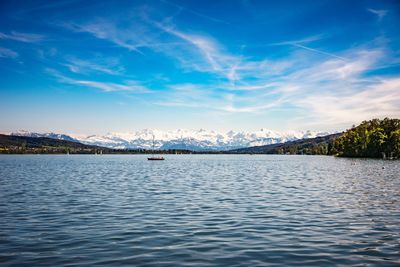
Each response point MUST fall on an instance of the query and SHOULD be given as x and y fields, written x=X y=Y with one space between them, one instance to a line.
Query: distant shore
x=371 y=139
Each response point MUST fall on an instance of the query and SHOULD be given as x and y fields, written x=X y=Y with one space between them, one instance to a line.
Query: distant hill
x=49 y=135
x=371 y=139
x=24 y=144
x=376 y=138
x=11 y=144
x=310 y=146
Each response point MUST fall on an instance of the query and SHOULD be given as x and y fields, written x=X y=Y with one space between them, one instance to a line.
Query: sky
x=92 y=67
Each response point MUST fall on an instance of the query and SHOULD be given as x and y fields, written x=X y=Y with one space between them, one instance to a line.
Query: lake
x=198 y=210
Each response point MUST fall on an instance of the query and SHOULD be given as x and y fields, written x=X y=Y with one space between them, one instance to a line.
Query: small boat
x=155 y=157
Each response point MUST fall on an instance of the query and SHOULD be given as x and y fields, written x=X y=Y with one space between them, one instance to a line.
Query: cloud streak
x=105 y=30
x=129 y=86
x=319 y=85
x=380 y=99
x=300 y=44
x=319 y=51
x=380 y=13
x=191 y=11
x=22 y=37
x=205 y=46
x=110 y=66
x=277 y=83
x=7 y=53
x=331 y=90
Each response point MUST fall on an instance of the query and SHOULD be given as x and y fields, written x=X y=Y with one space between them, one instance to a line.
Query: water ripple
x=199 y=210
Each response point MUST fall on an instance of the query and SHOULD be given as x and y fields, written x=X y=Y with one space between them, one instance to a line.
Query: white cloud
x=328 y=91
x=380 y=13
x=380 y=99
x=130 y=86
x=132 y=36
x=251 y=108
x=301 y=41
x=7 y=53
x=300 y=44
x=203 y=54
x=208 y=48
x=201 y=15
x=360 y=60
x=22 y=37
x=110 y=66
x=319 y=51
x=321 y=85
x=202 y=96
x=126 y=86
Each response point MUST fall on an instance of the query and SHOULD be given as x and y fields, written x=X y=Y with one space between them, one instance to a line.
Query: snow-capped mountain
x=48 y=135
x=183 y=139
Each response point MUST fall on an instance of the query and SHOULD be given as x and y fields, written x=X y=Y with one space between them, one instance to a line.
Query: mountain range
x=321 y=145
x=195 y=140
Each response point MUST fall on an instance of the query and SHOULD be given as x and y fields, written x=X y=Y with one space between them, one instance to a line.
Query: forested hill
x=10 y=144
x=312 y=146
x=23 y=144
x=373 y=139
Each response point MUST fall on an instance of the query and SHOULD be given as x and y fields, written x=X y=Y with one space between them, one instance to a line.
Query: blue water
x=198 y=210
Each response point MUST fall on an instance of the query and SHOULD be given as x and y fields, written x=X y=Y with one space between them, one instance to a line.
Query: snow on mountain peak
x=183 y=138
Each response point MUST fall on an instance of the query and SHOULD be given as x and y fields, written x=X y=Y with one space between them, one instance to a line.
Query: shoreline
x=194 y=153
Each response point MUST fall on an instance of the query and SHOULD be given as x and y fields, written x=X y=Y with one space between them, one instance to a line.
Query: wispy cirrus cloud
x=251 y=66
x=109 y=66
x=318 y=51
x=336 y=70
x=334 y=92
x=194 y=52
x=243 y=84
x=378 y=99
x=302 y=44
x=209 y=49
x=251 y=108
x=133 y=35
x=305 y=40
x=328 y=80
x=7 y=53
x=196 y=13
x=277 y=83
x=22 y=37
x=380 y=13
x=225 y=101
x=131 y=86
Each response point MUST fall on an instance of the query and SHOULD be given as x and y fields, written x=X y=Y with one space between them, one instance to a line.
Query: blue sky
x=93 y=67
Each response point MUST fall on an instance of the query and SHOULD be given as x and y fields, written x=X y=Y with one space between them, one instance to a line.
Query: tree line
x=372 y=139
